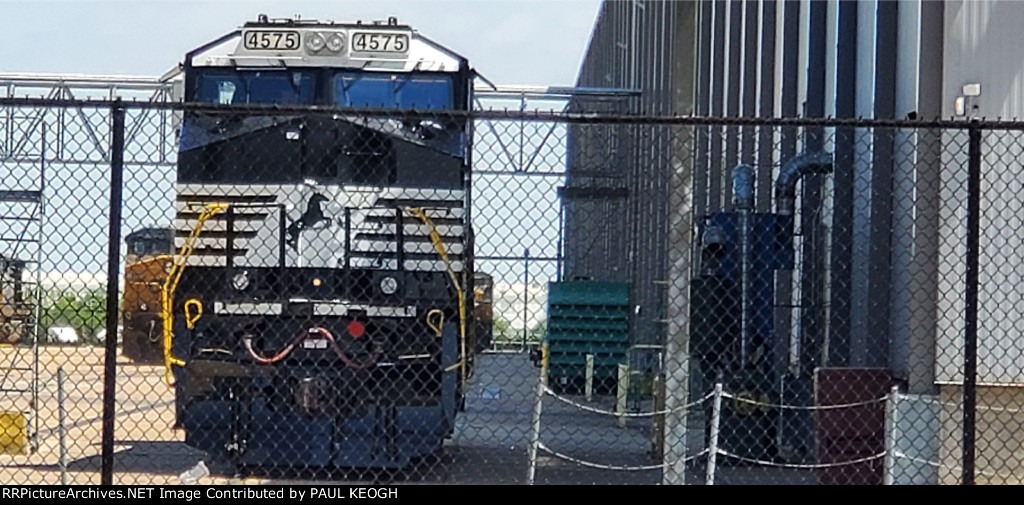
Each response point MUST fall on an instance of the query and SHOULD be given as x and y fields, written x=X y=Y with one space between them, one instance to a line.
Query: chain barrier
x=803 y=407
x=682 y=408
x=711 y=464
x=801 y=466
x=900 y=454
x=589 y=464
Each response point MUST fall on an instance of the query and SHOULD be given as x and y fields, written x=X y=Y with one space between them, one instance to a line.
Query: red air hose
x=247 y=340
x=341 y=353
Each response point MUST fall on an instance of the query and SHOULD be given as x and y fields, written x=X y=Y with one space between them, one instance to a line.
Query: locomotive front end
x=318 y=309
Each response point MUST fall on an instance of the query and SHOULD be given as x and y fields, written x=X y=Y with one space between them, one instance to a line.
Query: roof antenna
x=392 y=21
x=262 y=18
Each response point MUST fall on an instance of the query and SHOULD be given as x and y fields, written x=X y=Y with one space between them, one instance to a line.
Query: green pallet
x=587 y=317
x=588 y=293
x=576 y=348
x=595 y=337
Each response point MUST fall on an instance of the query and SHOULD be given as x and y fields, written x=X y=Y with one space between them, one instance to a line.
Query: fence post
x=890 y=436
x=658 y=420
x=620 y=395
x=716 y=416
x=542 y=384
x=588 y=387
x=61 y=419
x=117 y=111
x=971 y=300
x=526 y=296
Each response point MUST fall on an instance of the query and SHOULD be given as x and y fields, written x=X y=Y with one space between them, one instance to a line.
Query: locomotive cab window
x=139 y=247
x=255 y=86
x=404 y=91
x=150 y=242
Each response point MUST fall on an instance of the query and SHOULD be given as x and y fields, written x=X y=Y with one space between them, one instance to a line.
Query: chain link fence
x=292 y=294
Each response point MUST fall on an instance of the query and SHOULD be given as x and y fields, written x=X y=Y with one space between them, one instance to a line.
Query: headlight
x=143 y=307
x=335 y=42
x=388 y=285
x=240 y=281
x=315 y=42
x=167 y=266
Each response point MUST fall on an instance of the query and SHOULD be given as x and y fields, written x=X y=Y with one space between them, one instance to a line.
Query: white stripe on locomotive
x=322 y=244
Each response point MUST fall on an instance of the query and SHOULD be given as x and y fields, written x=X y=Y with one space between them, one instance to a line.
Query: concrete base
x=914 y=441
x=999 y=458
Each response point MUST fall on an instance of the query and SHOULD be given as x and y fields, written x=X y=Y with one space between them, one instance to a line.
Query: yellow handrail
x=171 y=283
x=435 y=238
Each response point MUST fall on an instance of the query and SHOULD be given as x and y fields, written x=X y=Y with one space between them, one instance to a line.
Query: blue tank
x=739 y=355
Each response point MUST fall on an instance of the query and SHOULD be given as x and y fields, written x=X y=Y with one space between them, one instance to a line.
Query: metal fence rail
x=264 y=294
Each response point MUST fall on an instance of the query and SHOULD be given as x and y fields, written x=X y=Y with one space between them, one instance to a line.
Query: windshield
x=391 y=91
x=255 y=86
x=148 y=242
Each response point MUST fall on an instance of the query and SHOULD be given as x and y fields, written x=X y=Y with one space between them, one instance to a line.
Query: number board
x=271 y=40
x=380 y=42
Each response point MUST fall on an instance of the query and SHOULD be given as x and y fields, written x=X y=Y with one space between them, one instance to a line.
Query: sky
x=508 y=41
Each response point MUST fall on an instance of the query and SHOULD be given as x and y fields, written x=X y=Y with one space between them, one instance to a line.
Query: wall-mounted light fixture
x=967 y=102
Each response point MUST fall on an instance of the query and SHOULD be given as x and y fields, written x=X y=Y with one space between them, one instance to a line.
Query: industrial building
x=877 y=281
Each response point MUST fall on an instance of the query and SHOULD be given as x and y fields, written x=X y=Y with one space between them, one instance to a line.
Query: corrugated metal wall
x=982 y=43
x=759 y=58
x=616 y=196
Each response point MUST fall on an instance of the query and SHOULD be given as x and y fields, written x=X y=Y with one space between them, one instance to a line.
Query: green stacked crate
x=586 y=317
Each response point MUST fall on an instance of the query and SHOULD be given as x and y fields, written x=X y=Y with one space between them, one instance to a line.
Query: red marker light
x=356 y=329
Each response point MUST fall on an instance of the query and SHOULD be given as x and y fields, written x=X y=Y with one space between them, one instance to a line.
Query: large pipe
x=743 y=187
x=743 y=200
x=792 y=172
x=785 y=202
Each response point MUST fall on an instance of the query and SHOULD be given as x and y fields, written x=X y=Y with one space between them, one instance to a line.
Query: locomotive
x=318 y=311
x=147 y=262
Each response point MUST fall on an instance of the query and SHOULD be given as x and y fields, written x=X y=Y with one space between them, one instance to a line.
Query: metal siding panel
x=733 y=98
x=749 y=84
x=790 y=69
x=861 y=222
x=718 y=85
x=982 y=45
x=766 y=106
x=880 y=256
x=813 y=244
x=843 y=182
x=907 y=76
x=701 y=169
x=925 y=263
